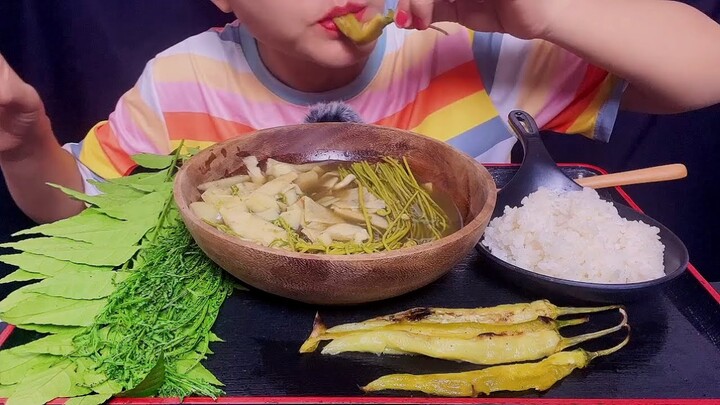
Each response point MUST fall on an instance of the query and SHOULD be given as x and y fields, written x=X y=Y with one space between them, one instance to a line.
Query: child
x=571 y=64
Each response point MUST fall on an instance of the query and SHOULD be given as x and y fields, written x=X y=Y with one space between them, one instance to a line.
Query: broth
x=332 y=207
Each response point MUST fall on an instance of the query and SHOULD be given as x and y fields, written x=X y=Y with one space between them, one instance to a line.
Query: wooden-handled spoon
x=639 y=176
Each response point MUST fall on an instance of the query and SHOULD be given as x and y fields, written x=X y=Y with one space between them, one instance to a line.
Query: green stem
x=568 y=342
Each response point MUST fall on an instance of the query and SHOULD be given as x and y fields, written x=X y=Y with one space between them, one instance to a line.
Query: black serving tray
x=673 y=356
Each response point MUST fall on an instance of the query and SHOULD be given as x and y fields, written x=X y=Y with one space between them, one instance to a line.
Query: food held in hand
x=363 y=33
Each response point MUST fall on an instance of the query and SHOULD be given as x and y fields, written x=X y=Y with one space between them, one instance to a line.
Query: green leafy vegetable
x=153 y=161
x=60 y=344
x=95 y=399
x=47 y=266
x=43 y=309
x=94 y=227
x=167 y=305
x=151 y=384
x=46 y=385
x=76 y=252
x=122 y=285
x=126 y=191
x=143 y=208
x=21 y=275
x=47 y=328
x=80 y=286
x=100 y=201
x=15 y=365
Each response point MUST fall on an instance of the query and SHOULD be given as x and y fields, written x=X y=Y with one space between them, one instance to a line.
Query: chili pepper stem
x=568 y=342
x=571 y=322
x=438 y=29
x=312 y=342
x=585 y=310
x=593 y=355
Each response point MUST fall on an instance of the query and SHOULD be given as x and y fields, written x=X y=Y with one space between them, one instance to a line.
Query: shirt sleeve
x=563 y=92
x=135 y=126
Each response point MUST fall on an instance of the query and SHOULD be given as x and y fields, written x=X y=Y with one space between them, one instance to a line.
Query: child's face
x=304 y=28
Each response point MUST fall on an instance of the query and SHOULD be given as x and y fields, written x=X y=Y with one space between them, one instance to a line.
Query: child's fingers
x=414 y=14
x=419 y=14
x=14 y=92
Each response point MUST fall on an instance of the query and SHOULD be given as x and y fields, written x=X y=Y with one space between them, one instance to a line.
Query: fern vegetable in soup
x=328 y=207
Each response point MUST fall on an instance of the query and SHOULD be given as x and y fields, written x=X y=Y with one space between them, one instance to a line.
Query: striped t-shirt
x=457 y=88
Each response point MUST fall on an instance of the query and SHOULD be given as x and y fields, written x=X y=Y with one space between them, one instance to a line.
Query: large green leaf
x=77 y=390
x=100 y=200
x=94 y=227
x=89 y=376
x=60 y=344
x=43 y=309
x=80 y=285
x=6 y=390
x=151 y=161
x=117 y=190
x=108 y=387
x=48 y=328
x=21 y=275
x=47 y=266
x=15 y=365
x=150 y=385
x=57 y=381
x=201 y=373
x=147 y=179
x=16 y=297
x=76 y=252
x=146 y=182
x=145 y=208
x=95 y=399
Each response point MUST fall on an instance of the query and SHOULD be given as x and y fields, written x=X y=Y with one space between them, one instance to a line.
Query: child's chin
x=343 y=56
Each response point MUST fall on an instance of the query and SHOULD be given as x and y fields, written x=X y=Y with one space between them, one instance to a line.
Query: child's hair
x=335 y=111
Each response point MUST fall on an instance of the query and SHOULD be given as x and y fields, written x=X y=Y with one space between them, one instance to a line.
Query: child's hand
x=21 y=110
x=521 y=18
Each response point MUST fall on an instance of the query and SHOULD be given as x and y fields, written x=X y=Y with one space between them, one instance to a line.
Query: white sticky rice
x=576 y=236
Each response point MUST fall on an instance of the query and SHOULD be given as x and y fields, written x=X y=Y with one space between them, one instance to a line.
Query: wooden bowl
x=351 y=279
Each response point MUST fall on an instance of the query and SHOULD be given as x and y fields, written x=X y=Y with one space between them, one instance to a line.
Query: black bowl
x=539 y=170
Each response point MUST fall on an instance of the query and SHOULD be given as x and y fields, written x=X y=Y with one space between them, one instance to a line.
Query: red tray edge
x=399 y=400
x=7 y=331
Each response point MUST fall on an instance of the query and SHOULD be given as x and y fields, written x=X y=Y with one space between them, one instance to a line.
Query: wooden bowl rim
x=461 y=233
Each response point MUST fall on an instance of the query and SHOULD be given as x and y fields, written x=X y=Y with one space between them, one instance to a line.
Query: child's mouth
x=328 y=23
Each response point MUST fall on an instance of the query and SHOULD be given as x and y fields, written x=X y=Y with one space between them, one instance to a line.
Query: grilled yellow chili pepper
x=486 y=348
x=539 y=376
x=363 y=33
x=463 y=330
x=500 y=314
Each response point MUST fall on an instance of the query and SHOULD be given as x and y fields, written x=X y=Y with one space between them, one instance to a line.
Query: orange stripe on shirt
x=585 y=123
x=114 y=152
x=445 y=89
x=584 y=97
x=93 y=156
x=198 y=126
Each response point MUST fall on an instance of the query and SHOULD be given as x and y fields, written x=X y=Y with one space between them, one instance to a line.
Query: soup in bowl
x=335 y=213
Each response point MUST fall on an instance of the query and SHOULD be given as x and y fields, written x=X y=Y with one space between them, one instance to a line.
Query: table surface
x=674 y=351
